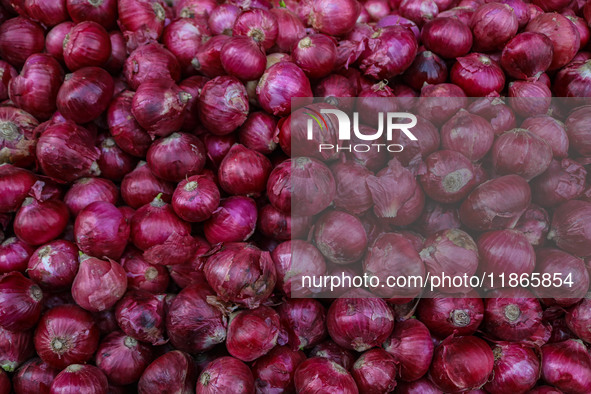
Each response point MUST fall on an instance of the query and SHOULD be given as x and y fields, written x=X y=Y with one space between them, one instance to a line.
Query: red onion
x=218 y=146
x=412 y=348
x=163 y=118
x=359 y=323
x=253 y=333
x=35 y=89
x=437 y=217
x=315 y=55
x=258 y=132
x=516 y=369
x=563 y=34
x=99 y=284
x=34 y=376
x=419 y=11
x=258 y=24
x=313 y=187
x=461 y=364
x=252 y=274
x=49 y=13
x=304 y=321
x=16 y=347
x=403 y=260
x=334 y=244
x=196 y=198
x=114 y=163
x=352 y=193
x=521 y=152
x=141 y=315
x=478 y=75
x=151 y=61
x=428 y=68
x=207 y=58
x=577 y=319
x=506 y=251
x=194 y=8
x=20 y=38
x=512 y=314
x=14 y=255
x=452 y=252
x=183 y=37
x=279 y=187
x=85 y=191
x=80 y=378
x=395 y=20
x=550 y=130
x=54 y=41
x=421 y=386
x=318 y=374
x=555 y=262
x=529 y=98
x=279 y=84
x=176 y=157
x=174 y=371
x=291 y=28
x=572 y=80
x=193 y=86
x=142 y=17
x=122 y=359
x=243 y=58
x=140 y=187
x=191 y=272
x=277 y=225
x=449 y=176
x=144 y=276
x=265 y=368
x=233 y=221
x=124 y=129
x=85 y=94
x=444 y=315
x=223 y=105
x=569 y=229
x=330 y=350
x=66 y=152
x=336 y=90
x=375 y=370
x=494 y=110
x=66 y=335
x=17 y=143
x=435 y=104
x=225 y=374
x=38 y=222
x=16 y=183
x=564 y=180
x=108 y=240
x=397 y=196
x=534 y=224
x=493 y=25
x=54 y=265
x=103 y=12
x=567 y=365
x=578 y=132
x=390 y=52
x=87 y=44
x=244 y=171
x=447 y=37
x=496 y=204
x=527 y=55
x=292 y=260
x=222 y=19
x=193 y=324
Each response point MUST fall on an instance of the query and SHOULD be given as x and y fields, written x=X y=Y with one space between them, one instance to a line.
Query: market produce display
x=163 y=195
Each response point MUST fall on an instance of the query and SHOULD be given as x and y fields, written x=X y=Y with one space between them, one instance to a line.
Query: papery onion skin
x=20 y=37
x=279 y=84
x=527 y=55
x=258 y=132
x=174 y=370
x=176 y=157
x=550 y=130
x=223 y=105
x=14 y=255
x=222 y=19
x=22 y=302
x=506 y=251
x=449 y=178
x=478 y=75
x=412 y=347
x=259 y=25
x=352 y=193
x=151 y=61
x=496 y=204
x=16 y=347
x=54 y=265
x=66 y=335
x=447 y=37
x=573 y=80
x=304 y=321
x=336 y=246
x=243 y=58
x=461 y=363
x=87 y=44
x=16 y=183
x=300 y=256
x=144 y=18
x=142 y=275
x=318 y=373
x=207 y=58
x=264 y=369
x=193 y=324
x=277 y=225
x=99 y=284
x=244 y=171
x=567 y=365
x=140 y=187
x=102 y=12
x=564 y=180
x=497 y=18
x=278 y=186
x=552 y=261
x=38 y=222
x=512 y=314
x=114 y=163
x=578 y=131
x=330 y=350
x=517 y=368
x=85 y=191
x=534 y=224
x=183 y=37
x=122 y=359
x=81 y=378
x=468 y=134
x=570 y=228
x=313 y=186
x=34 y=376
x=124 y=129
x=437 y=217
x=85 y=94
x=315 y=55
x=233 y=221
x=563 y=34
x=394 y=49
x=54 y=40
x=291 y=28
x=426 y=68
x=141 y=315
x=196 y=198
x=577 y=319
x=530 y=98
x=225 y=374
x=375 y=370
x=444 y=315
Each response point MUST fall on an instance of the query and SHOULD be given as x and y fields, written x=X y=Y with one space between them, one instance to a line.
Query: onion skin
x=278 y=186
x=512 y=314
x=563 y=34
x=578 y=132
x=496 y=204
x=447 y=37
x=468 y=134
x=173 y=371
x=192 y=323
x=291 y=28
x=391 y=51
x=151 y=61
x=564 y=180
x=315 y=55
x=66 y=335
x=332 y=243
x=87 y=44
x=304 y=321
x=412 y=347
x=252 y=274
x=20 y=38
x=279 y=84
x=478 y=75
x=142 y=275
x=140 y=187
x=352 y=194
x=333 y=352
x=85 y=191
x=308 y=261
x=264 y=369
x=244 y=171
x=449 y=178
x=313 y=186
x=35 y=89
x=233 y=221
x=258 y=132
x=506 y=251
x=471 y=364
x=572 y=80
x=54 y=265
x=124 y=128
x=16 y=183
x=223 y=105
x=34 y=376
x=141 y=315
x=373 y=322
x=577 y=319
x=183 y=37
x=567 y=365
x=375 y=371
x=225 y=374
x=497 y=18
x=16 y=347
x=54 y=41
x=551 y=261
x=243 y=58
x=80 y=378
x=122 y=359
x=14 y=255
x=445 y=316
x=530 y=98
x=176 y=157
x=195 y=198
x=550 y=130
x=437 y=217
x=527 y=55
x=570 y=227
x=319 y=373
x=38 y=222
x=517 y=368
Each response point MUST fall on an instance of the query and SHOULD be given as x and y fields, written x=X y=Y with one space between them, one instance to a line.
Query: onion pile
x=179 y=213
